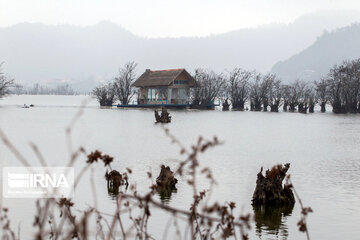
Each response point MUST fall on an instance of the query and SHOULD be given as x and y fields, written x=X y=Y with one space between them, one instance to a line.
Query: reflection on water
x=324 y=150
x=165 y=193
x=272 y=220
x=114 y=191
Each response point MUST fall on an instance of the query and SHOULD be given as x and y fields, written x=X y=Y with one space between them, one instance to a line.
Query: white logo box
x=38 y=182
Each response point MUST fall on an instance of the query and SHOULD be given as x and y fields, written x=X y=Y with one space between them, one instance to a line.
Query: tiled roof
x=158 y=77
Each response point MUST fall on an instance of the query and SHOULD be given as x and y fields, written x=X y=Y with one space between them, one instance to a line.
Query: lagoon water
x=323 y=149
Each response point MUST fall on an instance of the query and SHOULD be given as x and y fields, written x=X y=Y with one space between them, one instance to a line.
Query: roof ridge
x=159 y=77
x=168 y=70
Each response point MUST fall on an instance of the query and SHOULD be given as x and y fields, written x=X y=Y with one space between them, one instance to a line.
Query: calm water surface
x=323 y=150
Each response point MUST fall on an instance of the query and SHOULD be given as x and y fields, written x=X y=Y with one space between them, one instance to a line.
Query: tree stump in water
x=114 y=181
x=166 y=178
x=164 y=117
x=269 y=189
x=311 y=108
x=303 y=109
x=225 y=105
x=323 y=107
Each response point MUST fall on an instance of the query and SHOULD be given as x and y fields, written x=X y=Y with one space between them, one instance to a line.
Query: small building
x=165 y=86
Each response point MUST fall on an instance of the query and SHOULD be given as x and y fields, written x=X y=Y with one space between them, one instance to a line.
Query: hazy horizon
x=160 y=18
x=346 y=13
x=84 y=56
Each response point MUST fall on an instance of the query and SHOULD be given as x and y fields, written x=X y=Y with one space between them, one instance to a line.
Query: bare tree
x=286 y=91
x=322 y=93
x=352 y=85
x=301 y=90
x=255 y=94
x=18 y=89
x=336 y=89
x=5 y=83
x=344 y=87
x=294 y=95
x=275 y=95
x=123 y=83
x=307 y=98
x=105 y=94
x=259 y=93
x=266 y=85
x=208 y=87
x=239 y=87
x=311 y=97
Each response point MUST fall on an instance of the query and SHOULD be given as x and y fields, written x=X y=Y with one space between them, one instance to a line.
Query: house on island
x=165 y=87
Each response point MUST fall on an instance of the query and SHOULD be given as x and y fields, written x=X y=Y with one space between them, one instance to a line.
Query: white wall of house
x=169 y=95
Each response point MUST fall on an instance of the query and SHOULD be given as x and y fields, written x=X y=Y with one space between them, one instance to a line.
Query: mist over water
x=323 y=150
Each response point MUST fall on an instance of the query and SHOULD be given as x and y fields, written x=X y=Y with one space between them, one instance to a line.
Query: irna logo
x=38 y=182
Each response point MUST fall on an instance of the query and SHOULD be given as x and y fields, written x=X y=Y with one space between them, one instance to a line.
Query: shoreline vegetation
x=240 y=88
x=37 y=89
x=60 y=219
x=237 y=90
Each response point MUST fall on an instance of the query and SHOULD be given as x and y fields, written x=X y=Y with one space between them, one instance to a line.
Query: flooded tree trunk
x=352 y=107
x=114 y=180
x=164 y=117
x=166 y=178
x=301 y=107
x=274 y=108
x=239 y=106
x=338 y=108
x=225 y=105
x=292 y=107
x=285 y=107
x=265 y=104
x=323 y=107
x=311 y=108
x=257 y=106
x=269 y=189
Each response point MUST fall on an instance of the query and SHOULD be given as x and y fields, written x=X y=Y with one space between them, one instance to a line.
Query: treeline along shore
x=240 y=88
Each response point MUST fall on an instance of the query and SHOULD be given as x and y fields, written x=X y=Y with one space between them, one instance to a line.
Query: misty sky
x=166 y=18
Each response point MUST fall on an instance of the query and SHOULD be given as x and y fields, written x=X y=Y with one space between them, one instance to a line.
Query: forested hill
x=315 y=61
x=83 y=56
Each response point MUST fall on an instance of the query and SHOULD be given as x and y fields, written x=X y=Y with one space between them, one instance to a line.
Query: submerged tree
x=276 y=94
x=311 y=98
x=286 y=92
x=123 y=83
x=239 y=87
x=105 y=94
x=5 y=83
x=322 y=93
x=344 y=87
x=208 y=87
x=267 y=84
x=260 y=92
x=255 y=94
x=303 y=92
x=296 y=95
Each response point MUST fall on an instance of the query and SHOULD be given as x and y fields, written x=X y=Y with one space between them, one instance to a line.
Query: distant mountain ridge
x=315 y=61
x=83 y=56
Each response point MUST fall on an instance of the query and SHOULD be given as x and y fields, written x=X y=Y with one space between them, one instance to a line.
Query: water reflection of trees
x=113 y=192
x=272 y=220
x=165 y=193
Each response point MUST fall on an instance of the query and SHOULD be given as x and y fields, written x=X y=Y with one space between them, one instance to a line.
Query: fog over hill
x=82 y=56
x=315 y=61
